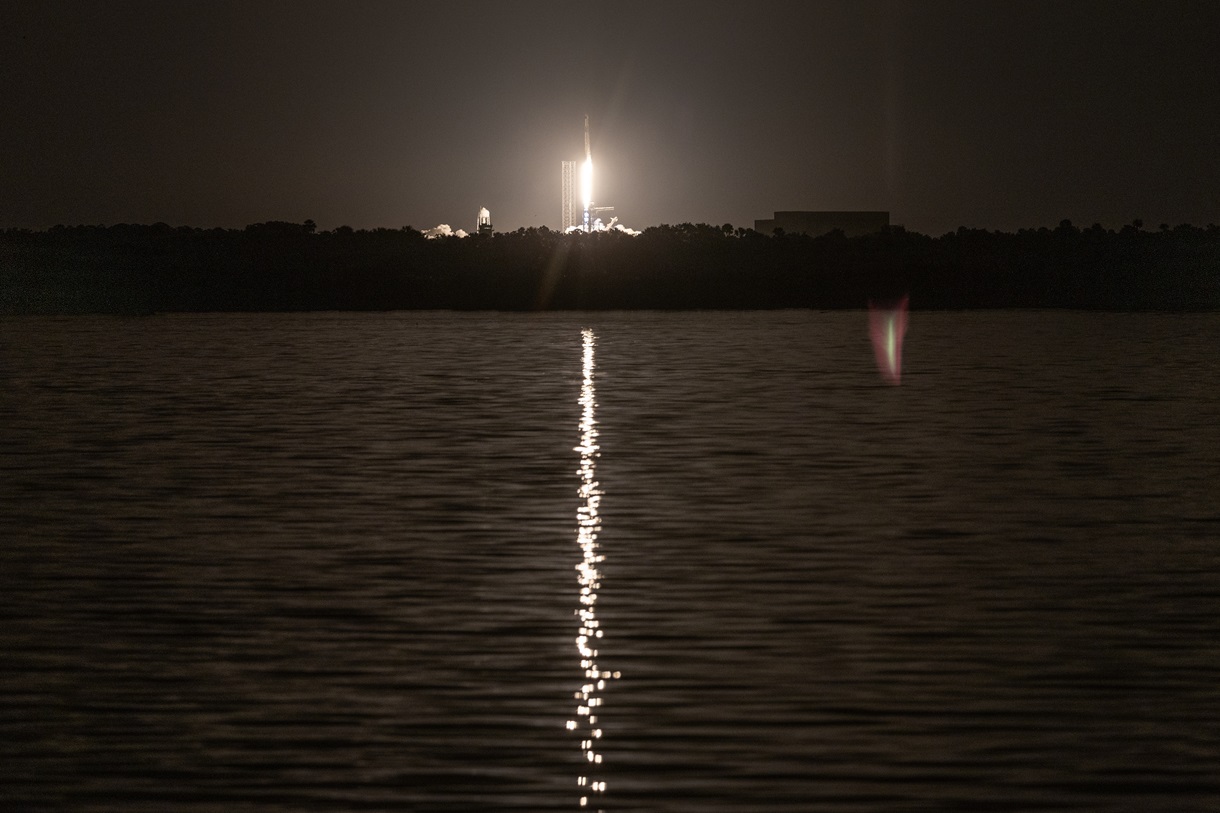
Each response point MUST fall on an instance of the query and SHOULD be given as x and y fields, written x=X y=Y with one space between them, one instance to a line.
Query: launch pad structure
x=568 y=195
x=568 y=218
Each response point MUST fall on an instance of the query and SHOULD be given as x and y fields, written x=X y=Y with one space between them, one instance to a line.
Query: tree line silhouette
x=278 y=266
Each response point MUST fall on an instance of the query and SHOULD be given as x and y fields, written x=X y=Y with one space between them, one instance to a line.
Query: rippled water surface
x=473 y=562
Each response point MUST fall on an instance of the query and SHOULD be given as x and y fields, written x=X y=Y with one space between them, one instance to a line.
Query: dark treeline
x=287 y=266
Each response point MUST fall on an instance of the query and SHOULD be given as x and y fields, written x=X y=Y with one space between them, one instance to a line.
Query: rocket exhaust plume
x=887 y=324
x=586 y=183
x=586 y=176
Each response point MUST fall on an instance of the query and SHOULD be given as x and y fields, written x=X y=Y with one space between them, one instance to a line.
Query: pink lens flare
x=887 y=324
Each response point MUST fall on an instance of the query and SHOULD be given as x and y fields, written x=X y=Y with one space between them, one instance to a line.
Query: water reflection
x=589 y=700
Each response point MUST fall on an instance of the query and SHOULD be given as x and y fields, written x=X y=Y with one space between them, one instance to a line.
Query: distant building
x=815 y=224
x=484 y=221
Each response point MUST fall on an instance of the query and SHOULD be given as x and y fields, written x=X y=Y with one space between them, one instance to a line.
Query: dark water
x=334 y=562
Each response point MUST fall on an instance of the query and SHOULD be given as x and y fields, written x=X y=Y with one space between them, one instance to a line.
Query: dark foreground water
x=362 y=562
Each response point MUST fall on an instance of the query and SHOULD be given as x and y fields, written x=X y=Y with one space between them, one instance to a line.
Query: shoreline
x=286 y=267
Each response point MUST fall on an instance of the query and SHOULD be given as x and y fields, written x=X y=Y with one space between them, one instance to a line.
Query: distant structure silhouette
x=815 y=224
x=484 y=226
x=277 y=266
x=567 y=193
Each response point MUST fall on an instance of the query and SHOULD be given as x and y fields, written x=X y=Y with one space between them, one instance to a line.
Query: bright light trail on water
x=589 y=631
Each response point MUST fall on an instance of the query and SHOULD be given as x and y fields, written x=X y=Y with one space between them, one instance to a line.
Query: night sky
x=984 y=114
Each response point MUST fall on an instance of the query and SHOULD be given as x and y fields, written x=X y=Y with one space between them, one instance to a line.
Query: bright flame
x=586 y=182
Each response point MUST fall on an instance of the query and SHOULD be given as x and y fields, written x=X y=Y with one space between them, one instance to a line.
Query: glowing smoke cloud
x=443 y=230
x=598 y=225
x=887 y=325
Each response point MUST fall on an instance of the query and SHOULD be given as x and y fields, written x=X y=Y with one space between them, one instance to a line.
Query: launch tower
x=568 y=195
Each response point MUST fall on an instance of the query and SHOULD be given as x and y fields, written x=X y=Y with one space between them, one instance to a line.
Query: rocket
x=586 y=177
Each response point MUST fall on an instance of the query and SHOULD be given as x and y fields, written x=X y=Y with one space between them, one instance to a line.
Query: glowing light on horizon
x=887 y=325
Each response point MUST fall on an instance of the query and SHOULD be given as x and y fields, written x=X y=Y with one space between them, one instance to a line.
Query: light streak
x=887 y=325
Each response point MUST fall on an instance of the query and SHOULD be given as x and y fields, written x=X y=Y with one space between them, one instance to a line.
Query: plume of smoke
x=443 y=230
x=598 y=225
